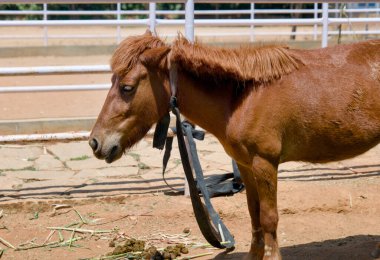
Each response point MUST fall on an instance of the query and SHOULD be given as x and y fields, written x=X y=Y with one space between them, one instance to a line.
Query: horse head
x=139 y=96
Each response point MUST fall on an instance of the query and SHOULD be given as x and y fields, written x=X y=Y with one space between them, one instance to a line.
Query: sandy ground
x=52 y=104
x=327 y=211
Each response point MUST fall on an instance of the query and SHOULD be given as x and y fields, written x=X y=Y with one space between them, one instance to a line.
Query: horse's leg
x=257 y=245
x=265 y=174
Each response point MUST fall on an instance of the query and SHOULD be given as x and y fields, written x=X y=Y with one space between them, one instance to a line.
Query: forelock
x=127 y=54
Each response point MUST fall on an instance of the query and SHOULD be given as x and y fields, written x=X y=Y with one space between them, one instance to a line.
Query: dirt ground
x=327 y=211
x=15 y=106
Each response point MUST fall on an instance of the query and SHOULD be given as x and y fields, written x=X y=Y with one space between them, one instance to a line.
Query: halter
x=210 y=224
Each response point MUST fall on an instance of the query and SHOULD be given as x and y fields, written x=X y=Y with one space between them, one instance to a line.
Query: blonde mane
x=247 y=63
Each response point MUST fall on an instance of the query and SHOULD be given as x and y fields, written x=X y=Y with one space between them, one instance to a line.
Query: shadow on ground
x=146 y=186
x=330 y=173
x=352 y=247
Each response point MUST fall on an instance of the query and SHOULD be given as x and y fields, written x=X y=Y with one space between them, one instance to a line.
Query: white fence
x=122 y=18
x=321 y=19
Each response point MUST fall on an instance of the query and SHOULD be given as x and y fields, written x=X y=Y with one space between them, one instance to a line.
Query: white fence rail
x=55 y=88
x=200 y=22
x=45 y=70
x=48 y=70
x=182 y=12
x=44 y=137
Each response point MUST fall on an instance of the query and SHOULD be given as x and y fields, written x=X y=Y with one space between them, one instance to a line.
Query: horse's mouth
x=113 y=146
x=115 y=153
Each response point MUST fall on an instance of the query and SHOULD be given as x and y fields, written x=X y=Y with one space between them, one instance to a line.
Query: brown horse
x=266 y=105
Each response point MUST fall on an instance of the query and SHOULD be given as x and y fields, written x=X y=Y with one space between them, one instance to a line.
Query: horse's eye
x=127 y=88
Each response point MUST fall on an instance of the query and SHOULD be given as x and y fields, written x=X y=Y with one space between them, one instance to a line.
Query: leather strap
x=216 y=232
x=210 y=224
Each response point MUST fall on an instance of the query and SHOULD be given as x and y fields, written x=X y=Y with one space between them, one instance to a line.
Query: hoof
x=256 y=252
x=252 y=256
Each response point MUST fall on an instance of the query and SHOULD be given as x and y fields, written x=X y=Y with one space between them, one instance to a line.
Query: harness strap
x=220 y=237
x=217 y=185
x=197 y=134
x=161 y=132
x=214 y=231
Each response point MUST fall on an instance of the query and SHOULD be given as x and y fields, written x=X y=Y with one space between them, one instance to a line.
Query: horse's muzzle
x=109 y=151
x=114 y=154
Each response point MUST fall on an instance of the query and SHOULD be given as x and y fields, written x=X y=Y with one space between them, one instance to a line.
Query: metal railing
x=122 y=18
x=48 y=70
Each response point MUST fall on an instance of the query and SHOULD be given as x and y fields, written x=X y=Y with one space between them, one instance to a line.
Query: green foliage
x=131 y=7
x=35 y=216
x=135 y=156
x=81 y=7
x=174 y=6
x=21 y=7
x=80 y=158
x=143 y=166
x=134 y=6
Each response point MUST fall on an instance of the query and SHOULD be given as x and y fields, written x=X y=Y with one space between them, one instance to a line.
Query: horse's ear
x=153 y=57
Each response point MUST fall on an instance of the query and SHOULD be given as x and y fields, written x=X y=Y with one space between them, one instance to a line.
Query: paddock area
x=58 y=201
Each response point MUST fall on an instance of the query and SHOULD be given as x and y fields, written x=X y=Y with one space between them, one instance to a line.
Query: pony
x=266 y=105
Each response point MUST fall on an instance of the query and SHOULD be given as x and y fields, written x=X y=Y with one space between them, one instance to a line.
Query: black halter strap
x=211 y=226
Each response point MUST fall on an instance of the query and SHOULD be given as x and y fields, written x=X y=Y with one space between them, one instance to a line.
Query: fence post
x=315 y=25
x=118 y=17
x=152 y=17
x=366 y=25
x=189 y=33
x=189 y=20
x=252 y=35
x=325 y=24
x=45 y=27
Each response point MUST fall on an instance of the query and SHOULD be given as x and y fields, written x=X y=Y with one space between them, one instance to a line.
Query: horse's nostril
x=94 y=144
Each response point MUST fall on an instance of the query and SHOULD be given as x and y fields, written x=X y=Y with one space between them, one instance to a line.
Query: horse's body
x=265 y=105
x=328 y=109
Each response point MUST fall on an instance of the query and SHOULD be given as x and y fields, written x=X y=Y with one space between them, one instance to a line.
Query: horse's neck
x=207 y=107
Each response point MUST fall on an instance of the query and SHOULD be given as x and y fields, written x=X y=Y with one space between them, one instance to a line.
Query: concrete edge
x=46 y=125
x=51 y=125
